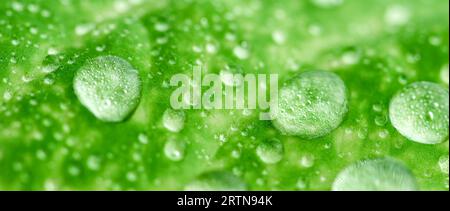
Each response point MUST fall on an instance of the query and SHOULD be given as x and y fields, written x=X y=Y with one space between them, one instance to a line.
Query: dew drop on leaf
x=216 y=180
x=443 y=164
x=109 y=87
x=311 y=105
x=420 y=112
x=174 y=149
x=270 y=151
x=173 y=120
x=241 y=52
x=375 y=175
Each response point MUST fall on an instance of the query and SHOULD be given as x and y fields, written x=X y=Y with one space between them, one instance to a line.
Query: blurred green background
x=49 y=141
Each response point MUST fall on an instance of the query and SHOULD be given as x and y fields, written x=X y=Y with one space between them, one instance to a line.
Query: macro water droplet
x=397 y=15
x=93 y=163
x=307 y=161
x=17 y=6
x=173 y=120
x=278 y=37
x=375 y=175
x=109 y=87
x=270 y=151
x=443 y=164
x=142 y=138
x=350 y=57
x=444 y=74
x=301 y=184
x=174 y=149
x=131 y=176
x=216 y=181
x=327 y=3
x=73 y=170
x=241 y=52
x=311 y=105
x=7 y=96
x=161 y=27
x=420 y=112
x=15 y=42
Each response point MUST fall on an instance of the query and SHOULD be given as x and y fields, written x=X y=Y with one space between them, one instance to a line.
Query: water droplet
x=327 y=3
x=83 y=29
x=301 y=184
x=15 y=42
x=131 y=176
x=381 y=120
x=143 y=139
x=7 y=96
x=397 y=15
x=278 y=37
x=241 y=52
x=109 y=87
x=161 y=27
x=413 y=112
x=270 y=151
x=311 y=105
x=100 y=48
x=173 y=120
x=375 y=175
x=41 y=155
x=52 y=51
x=443 y=164
x=377 y=108
x=350 y=58
x=93 y=163
x=74 y=171
x=174 y=149
x=211 y=48
x=33 y=8
x=50 y=185
x=444 y=74
x=307 y=161
x=216 y=181
x=434 y=40
x=315 y=30
x=17 y=6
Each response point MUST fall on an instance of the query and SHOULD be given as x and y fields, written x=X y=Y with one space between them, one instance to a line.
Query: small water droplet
x=173 y=120
x=241 y=52
x=174 y=149
x=270 y=151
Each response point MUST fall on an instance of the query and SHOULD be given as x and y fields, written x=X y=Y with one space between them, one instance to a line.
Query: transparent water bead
x=375 y=175
x=173 y=120
x=420 y=112
x=270 y=151
x=174 y=149
x=311 y=105
x=443 y=164
x=109 y=87
x=216 y=181
x=327 y=3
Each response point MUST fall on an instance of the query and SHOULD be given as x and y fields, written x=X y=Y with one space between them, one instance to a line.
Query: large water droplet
x=420 y=112
x=270 y=151
x=109 y=87
x=311 y=105
x=216 y=181
x=375 y=175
